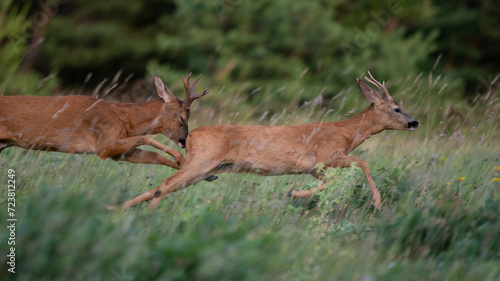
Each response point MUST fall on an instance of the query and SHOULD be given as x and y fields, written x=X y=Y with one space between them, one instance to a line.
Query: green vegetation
x=440 y=186
x=265 y=62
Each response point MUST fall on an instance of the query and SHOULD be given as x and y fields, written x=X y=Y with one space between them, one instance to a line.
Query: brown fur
x=82 y=124
x=280 y=150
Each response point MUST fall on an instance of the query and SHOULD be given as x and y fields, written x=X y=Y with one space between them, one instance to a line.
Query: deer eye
x=397 y=110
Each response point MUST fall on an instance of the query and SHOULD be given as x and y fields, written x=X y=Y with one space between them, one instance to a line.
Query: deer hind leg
x=307 y=192
x=188 y=175
x=311 y=191
x=4 y=143
x=4 y=140
x=2 y=146
x=193 y=173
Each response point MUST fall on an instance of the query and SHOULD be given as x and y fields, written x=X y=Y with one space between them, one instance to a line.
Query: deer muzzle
x=182 y=143
x=412 y=125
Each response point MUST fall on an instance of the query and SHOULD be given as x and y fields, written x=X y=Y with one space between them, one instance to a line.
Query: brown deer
x=283 y=150
x=82 y=124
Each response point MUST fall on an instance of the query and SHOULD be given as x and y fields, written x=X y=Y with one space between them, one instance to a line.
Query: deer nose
x=412 y=125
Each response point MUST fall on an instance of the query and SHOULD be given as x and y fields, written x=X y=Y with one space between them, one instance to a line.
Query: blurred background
x=282 y=52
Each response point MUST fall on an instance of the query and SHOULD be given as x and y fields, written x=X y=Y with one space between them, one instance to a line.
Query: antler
x=190 y=92
x=379 y=85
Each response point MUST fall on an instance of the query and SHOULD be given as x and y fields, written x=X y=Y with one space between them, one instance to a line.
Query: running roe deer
x=82 y=124
x=280 y=150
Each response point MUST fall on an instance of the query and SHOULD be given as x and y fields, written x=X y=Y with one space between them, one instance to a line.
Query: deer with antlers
x=82 y=124
x=283 y=150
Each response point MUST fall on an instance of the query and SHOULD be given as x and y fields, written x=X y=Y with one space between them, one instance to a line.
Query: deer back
x=76 y=124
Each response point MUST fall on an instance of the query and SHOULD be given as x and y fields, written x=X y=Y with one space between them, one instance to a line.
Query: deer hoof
x=211 y=178
x=111 y=207
x=377 y=205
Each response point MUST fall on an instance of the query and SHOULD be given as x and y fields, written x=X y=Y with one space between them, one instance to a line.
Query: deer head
x=174 y=120
x=391 y=114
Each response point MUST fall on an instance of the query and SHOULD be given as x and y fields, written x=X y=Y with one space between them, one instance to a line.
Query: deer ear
x=163 y=91
x=368 y=92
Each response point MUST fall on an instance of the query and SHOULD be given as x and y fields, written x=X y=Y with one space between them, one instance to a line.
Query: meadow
x=439 y=220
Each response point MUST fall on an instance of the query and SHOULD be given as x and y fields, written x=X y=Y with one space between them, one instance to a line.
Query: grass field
x=439 y=221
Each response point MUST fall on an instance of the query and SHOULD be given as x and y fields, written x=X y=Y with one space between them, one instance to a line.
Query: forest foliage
x=311 y=44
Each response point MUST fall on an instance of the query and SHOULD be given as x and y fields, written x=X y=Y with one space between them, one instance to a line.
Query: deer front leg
x=125 y=145
x=141 y=156
x=343 y=161
x=179 y=158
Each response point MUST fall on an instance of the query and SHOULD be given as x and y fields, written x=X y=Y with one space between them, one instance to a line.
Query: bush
x=447 y=232
x=68 y=234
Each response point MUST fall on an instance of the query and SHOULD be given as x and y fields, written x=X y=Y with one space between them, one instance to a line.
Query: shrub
x=447 y=231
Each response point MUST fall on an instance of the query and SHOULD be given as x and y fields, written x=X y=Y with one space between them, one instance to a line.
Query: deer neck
x=359 y=128
x=143 y=118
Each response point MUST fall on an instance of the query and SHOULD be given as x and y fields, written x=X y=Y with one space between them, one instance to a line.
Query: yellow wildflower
x=496 y=168
x=461 y=178
x=496 y=179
